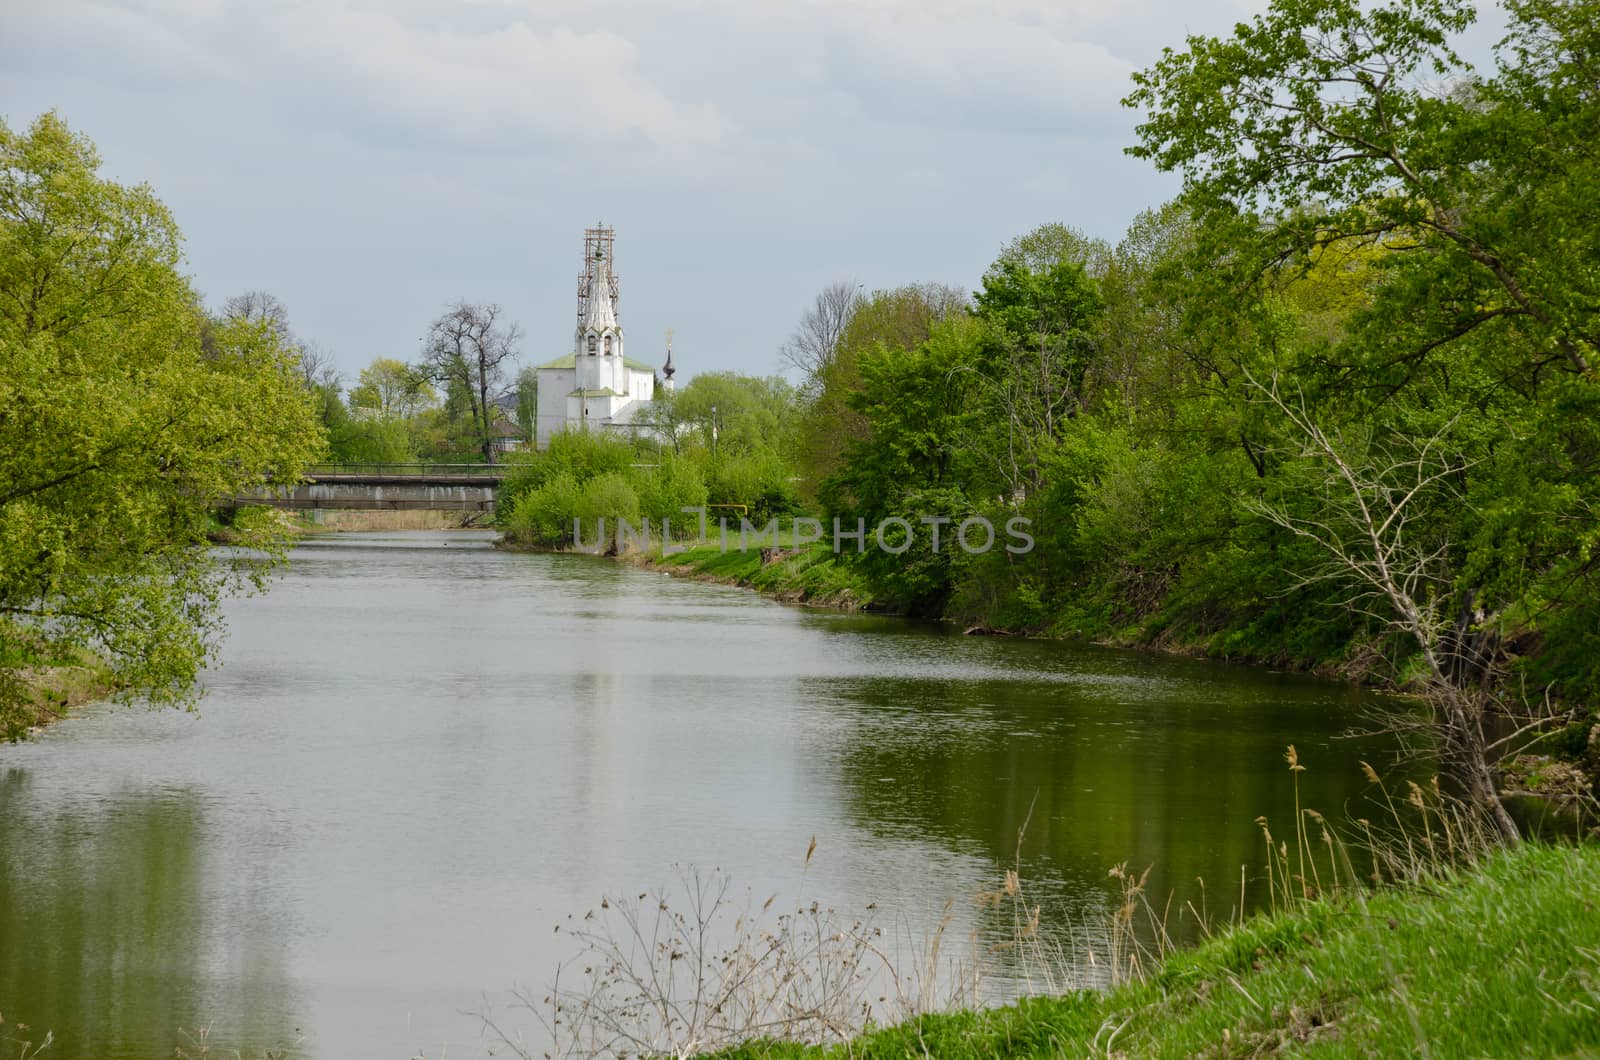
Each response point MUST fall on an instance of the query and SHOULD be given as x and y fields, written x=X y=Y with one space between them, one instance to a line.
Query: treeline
x=457 y=403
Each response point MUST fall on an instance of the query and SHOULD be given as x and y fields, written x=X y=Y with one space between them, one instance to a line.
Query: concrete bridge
x=387 y=487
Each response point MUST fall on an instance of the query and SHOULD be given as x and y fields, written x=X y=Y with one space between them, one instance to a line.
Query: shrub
x=543 y=516
x=609 y=497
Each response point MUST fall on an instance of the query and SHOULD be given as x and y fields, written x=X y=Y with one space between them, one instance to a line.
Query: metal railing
x=408 y=470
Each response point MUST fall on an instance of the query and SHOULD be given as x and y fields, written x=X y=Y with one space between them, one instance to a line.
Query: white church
x=596 y=387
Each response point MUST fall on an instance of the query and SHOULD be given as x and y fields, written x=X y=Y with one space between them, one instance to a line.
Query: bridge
x=387 y=487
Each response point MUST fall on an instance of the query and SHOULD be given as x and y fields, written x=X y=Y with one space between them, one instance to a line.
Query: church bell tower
x=598 y=345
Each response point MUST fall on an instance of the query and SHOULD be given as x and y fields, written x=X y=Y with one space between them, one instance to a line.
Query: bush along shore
x=811 y=574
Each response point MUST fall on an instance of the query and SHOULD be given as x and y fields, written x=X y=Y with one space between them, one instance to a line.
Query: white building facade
x=596 y=387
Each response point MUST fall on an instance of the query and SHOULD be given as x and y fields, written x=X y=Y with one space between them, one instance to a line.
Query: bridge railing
x=418 y=470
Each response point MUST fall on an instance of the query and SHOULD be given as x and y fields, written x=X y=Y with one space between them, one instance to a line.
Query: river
x=421 y=753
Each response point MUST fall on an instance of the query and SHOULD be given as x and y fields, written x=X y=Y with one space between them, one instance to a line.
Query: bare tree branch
x=467 y=348
x=816 y=339
x=1368 y=523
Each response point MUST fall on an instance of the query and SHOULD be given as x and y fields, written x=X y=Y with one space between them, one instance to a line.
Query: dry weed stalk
x=27 y=1048
x=197 y=1046
x=655 y=978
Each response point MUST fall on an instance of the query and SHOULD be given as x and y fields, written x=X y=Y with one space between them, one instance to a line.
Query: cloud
x=503 y=86
x=408 y=69
x=972 y=69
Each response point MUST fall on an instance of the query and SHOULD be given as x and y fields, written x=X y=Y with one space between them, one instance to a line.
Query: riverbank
x=815 y=574
x=808 y=575
x=1500 y=960
x=52 y=688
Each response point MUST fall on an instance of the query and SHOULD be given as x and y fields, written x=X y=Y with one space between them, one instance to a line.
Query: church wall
x=554 y=386
x=641 y=385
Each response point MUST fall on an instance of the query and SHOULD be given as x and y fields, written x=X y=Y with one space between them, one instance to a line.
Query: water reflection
x=109 y=936
x=1076 y=761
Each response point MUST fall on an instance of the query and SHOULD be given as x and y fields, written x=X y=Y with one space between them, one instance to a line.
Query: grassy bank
x=816 y=574
x=811 y=574
x=1502 y=960
x=51 y=686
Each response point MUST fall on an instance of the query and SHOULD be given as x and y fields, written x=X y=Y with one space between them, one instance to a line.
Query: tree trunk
x=1466 y=755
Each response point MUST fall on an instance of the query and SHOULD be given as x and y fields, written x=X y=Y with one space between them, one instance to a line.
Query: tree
x=120 y=432
x=314 y=362
x=528 y=401
x=918 y=405
x=261 y=309
x=466 y=350
x=1042 y=333
x=1140 y=363
x=1315 y=116
x=392 y=390
x=1053 y=244
x=902 y=319
x=1374 y=531
x=750 y=414
x=913 y=460
x=816 y=340
x=665 y=421
x=1410 y=257
x=264 y=309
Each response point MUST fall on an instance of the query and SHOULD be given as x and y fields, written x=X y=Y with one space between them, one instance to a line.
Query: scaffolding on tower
x=597 y=242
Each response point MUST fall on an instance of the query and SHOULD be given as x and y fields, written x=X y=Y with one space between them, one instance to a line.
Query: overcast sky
x=370 y=162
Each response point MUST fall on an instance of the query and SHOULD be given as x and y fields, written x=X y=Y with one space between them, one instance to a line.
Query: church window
x=608 y=345
x=591 y=344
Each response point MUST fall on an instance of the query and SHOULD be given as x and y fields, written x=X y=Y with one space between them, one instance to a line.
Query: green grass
x=814 y=573
x=1501 y=961
x=39 y=686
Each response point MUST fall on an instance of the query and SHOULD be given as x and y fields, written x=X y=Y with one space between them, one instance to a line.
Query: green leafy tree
x=747 y=414
x=902 y=319
x=1053 y=244
x=1452 y=314
x=120 y=431
x=917 y=402
x=1040 y=342
x=392 y=390
x=528 y=401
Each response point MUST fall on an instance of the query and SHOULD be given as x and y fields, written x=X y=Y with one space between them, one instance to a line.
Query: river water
x=421 y=753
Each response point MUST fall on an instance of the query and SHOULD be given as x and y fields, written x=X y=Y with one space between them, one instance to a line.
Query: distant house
x=505 y=436
x=595 y=387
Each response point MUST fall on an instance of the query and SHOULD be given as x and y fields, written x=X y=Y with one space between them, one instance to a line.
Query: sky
x=372 y=162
